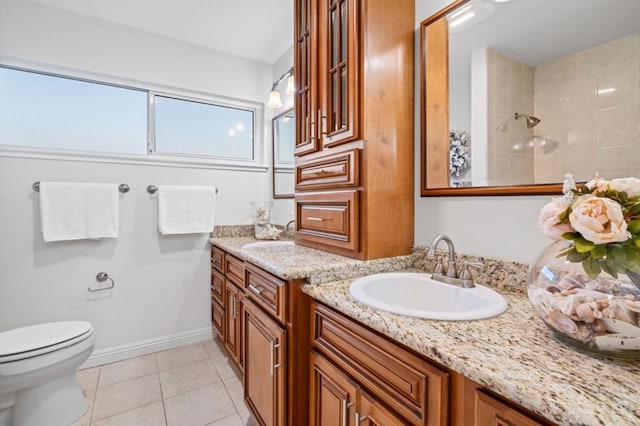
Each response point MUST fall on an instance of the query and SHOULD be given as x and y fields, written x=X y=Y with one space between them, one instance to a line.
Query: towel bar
x=152 y=189
x=124 y=188
x=102 y=277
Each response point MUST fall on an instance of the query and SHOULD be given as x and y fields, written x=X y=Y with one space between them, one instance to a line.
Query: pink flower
x=599 y=220
x=549 y=219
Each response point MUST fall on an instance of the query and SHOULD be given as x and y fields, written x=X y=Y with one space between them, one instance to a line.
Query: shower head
x=531 y=120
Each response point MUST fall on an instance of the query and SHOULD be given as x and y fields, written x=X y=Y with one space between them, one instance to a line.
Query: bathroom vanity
x=335 y=360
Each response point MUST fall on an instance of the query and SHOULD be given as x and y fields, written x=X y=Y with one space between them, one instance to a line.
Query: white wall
x=500 y=227
x=162 y=282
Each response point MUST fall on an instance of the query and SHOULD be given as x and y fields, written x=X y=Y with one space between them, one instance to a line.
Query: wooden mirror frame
x=434 y=152
x=273 y=155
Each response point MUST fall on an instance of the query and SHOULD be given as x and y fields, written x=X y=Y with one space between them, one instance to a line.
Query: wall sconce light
x=275 y=101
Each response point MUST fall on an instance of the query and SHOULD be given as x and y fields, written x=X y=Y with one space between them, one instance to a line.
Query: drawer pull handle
x=255 y=289
x=274 y=346
x=360 y=419
x=345 y=410
x=233 y=308
x=315 y=219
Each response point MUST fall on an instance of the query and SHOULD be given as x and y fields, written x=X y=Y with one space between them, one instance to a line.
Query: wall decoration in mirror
x=538 y=89
x=283 y=129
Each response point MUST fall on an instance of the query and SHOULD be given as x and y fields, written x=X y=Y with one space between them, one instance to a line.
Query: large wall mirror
x=283 y=129
x=514 y=94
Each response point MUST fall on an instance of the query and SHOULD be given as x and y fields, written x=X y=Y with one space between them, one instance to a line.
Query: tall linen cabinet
x=354 y=126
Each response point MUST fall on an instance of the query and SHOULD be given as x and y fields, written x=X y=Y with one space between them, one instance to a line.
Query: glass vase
x=597 y=315
x=261 y=215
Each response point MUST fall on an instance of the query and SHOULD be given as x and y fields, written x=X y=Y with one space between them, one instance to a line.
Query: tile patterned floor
x=194 y=385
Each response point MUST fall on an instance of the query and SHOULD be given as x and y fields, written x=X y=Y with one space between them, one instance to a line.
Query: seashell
x=620 y=310
x=552 y=289
x=563 y=323
x=595 y=295
x=572 y=280
x=617 y=342
x=621 y=327
x=584 y=312
x=599 y=326
x=567 y=305
x=634 y=305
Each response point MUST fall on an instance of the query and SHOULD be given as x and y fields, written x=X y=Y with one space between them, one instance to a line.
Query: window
x=45 y=111
x=188 y=127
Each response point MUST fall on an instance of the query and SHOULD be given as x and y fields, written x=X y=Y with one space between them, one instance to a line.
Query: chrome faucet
x=450 y=274
x=289 y=223
x=450 y=270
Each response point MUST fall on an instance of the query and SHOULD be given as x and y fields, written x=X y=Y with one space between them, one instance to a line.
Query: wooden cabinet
x=218 y=312
x=360 y=377
x=265 y=366
x=354 y=125
x=234 y=322
x=413 y=389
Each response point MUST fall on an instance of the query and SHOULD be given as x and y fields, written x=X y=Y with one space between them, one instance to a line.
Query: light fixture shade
x=274 y=99
x=291 y=87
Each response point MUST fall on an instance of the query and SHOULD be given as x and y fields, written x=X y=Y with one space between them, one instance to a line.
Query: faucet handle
x=439 y=268
x=465 y=273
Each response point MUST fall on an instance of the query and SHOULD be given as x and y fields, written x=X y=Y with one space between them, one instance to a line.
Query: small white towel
x=74 y=211
x=186 y=209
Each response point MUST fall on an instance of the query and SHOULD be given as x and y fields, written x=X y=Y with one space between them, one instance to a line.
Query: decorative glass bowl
x=598 y=315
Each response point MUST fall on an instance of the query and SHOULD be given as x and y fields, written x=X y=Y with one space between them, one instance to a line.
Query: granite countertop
x=296 y=261
x=514 y=355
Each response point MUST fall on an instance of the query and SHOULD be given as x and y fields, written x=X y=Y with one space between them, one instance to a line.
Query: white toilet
x=38 y=365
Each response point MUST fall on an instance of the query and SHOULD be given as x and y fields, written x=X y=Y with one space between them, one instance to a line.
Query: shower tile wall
x=590 y=110
x=510 y=90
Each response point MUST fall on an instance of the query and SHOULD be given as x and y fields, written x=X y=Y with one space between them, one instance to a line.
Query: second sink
x=417 y=295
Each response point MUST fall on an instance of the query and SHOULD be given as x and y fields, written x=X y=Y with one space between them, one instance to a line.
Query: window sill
x=161 y=160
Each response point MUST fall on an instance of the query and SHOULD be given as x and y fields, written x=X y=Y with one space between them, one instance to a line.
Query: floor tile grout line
x=164 y=409
x=124 y=412
x=232 y=401
x=95 y=395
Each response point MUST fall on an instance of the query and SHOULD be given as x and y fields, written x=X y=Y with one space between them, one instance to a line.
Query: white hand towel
x=186 y=209
x=74 y=211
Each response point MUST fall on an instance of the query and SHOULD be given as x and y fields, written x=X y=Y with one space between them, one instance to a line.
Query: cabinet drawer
x=338 y=170
x=328 y=218
x=410 y=385
x=217 y=259
x=217 y=318
x=267 y=291
x=217 y=286
x=234 y=268
x=491 y=411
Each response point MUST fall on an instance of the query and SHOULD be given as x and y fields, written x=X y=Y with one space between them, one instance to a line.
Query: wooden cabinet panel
x=332 y=395
x=339 y=65
x=305 y=71
x=329 y=219
x=373 y=413
x=265 y=361
x=234 y=269
x=268 y=291
x=491 y=411
x=217 y=286
x=338 y=170
x=217 y=259
x=413 y=387
x=217 y=319
x=233 y=322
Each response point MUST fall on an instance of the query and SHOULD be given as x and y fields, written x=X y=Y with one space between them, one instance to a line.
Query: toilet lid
x=25 y=340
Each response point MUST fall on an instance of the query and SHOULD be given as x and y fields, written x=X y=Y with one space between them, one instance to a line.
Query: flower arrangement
x=459 y=158
x=602 y=220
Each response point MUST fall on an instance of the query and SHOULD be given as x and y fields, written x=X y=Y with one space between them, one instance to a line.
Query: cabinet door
x=233 y=323
x=373 y=413
x=264 y=366
x=333 y=394
x=339 y=37
x=305 y=70
x=490 y=411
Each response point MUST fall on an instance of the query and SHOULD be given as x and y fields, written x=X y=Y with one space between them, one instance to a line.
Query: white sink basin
x=268 y=244
x=417 y=295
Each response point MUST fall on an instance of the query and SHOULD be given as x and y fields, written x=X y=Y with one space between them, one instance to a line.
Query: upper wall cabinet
x=354 y=126
x=516 y=94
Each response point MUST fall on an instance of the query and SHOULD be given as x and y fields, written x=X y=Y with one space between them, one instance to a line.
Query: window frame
x=151 y=157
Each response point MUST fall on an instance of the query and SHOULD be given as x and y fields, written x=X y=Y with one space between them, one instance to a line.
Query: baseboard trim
x=144 y=347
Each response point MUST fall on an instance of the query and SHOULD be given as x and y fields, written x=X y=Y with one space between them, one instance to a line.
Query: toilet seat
x=35 y=340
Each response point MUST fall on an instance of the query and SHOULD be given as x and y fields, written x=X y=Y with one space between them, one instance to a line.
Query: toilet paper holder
x=102 y=277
